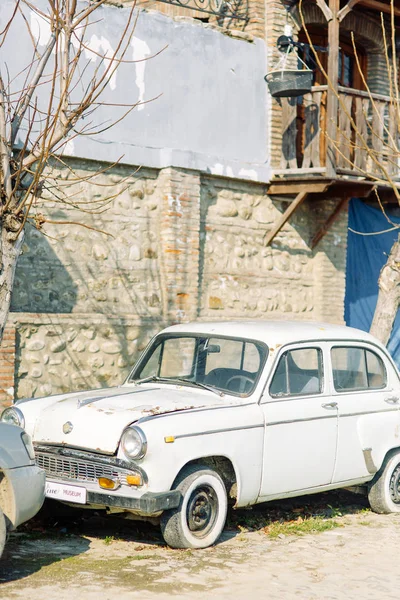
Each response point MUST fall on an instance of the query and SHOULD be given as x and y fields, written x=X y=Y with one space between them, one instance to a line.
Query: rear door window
x=357 y=369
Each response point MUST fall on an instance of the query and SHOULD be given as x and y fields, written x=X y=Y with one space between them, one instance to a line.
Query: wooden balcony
x=367 y=136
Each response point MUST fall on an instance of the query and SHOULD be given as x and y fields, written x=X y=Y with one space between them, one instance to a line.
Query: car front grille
x=77 y=469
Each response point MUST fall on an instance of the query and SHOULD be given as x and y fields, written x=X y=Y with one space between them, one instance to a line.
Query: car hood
x=96 y=419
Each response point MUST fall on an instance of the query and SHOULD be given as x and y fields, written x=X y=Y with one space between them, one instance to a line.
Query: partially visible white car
x=21 y=481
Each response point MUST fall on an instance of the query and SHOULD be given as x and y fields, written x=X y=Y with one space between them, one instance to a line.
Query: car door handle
x=329 y=405
x=392 y=400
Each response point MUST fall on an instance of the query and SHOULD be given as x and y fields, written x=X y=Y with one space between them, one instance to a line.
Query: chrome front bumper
x=148 y=504
x=75 y=467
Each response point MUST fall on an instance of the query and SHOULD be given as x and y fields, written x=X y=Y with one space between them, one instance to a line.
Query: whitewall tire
x=200 y=518
x=384 y=492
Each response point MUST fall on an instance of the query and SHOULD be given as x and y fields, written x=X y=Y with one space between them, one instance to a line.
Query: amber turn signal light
x=133 y=480
x=108 y=484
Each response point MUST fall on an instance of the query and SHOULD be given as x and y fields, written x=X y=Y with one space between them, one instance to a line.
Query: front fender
x=233 y=432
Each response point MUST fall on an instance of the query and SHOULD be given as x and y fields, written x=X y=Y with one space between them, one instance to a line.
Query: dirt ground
x=329 y=546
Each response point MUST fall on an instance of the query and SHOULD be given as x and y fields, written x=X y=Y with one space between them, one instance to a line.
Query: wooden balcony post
x=332 y=100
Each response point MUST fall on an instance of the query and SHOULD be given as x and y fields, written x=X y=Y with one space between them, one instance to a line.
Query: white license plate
x=68 y=493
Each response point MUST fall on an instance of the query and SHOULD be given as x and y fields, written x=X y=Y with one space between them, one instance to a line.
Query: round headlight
x=134 y=442
x=13 y=416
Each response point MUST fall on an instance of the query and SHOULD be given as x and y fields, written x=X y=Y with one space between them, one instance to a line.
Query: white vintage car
x=212 y=413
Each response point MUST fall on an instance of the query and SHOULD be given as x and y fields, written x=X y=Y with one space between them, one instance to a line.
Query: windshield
x=230 y=365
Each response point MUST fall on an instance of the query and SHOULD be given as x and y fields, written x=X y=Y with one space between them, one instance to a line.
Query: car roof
x=274 y=332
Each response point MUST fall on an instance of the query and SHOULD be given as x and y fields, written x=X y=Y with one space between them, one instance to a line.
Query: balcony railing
x=367 y=140
x=223 y=10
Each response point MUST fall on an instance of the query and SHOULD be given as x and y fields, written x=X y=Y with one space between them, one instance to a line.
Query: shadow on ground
x=318 y=507
x=62 y=523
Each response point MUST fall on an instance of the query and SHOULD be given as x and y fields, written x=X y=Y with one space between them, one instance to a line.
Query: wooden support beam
x=380 y=6
x=325 y=228
x=285 y=216
x=348 y=190
x=343 y=12
x=297 y=187
x=325 y=10
x=332 y=99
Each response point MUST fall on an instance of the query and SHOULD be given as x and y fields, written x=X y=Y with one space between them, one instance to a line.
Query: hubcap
x=202 y=511
x=394 y=485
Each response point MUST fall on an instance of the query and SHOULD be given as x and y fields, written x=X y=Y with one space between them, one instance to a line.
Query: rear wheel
x=200 y=518
x=384 y=492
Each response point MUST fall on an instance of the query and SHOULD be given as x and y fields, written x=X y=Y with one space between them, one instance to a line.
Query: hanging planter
x=287 y=83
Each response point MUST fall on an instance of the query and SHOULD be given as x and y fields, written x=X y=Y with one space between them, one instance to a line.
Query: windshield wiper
x=146 y=379
x=210 y=388
x=181 y=380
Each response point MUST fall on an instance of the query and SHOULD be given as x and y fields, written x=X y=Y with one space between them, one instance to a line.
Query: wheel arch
x=389 y=453
x=224 y=467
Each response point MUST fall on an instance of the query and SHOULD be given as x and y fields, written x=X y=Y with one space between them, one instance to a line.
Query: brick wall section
x=329 y=269
x=275 y=19
x=7 y=360
x=179 y=243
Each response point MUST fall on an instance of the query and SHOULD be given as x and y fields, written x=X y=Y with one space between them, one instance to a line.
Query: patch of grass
x=109 y=539
x=300 y=526
x=365 y=523
x=142 y=557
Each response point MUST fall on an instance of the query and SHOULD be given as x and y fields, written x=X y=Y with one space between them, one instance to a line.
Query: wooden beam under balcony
x=380 y=6
x=286 y=216
x=325 y=9
x=342 y=204
x=284 y=188
x=346 y=9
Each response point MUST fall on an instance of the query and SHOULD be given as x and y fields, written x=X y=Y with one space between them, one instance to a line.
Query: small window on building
x=357 y=369
x=299 y=372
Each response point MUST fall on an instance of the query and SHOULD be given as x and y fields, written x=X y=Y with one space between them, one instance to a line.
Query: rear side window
x=357 y=369
x=299 y=372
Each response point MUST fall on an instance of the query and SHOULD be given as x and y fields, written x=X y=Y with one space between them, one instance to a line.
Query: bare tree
x=373 y=134
x=42 y=109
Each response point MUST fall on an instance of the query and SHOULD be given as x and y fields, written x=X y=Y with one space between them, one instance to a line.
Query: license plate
x=68 y=493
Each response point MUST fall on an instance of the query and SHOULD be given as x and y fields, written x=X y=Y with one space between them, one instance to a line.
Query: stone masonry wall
x=242 y=278
x=183 y=247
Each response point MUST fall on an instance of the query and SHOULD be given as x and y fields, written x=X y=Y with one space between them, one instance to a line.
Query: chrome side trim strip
x=369 y=412
x=186 y=435
x=302 y=420
x=333 y=416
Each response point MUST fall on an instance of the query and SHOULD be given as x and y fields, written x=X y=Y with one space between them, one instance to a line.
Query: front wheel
x=200 y=517
x=3 y=532
x=384 y=492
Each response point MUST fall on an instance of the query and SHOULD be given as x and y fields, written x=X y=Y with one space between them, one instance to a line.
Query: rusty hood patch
x=99 y=417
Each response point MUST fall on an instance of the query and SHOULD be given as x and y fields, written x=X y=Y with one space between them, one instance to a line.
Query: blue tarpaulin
x=366 y=256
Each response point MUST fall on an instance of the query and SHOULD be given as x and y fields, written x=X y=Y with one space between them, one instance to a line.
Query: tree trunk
x=388 y=297
x=10 y=251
